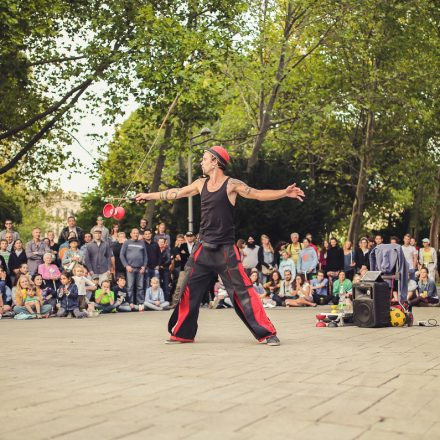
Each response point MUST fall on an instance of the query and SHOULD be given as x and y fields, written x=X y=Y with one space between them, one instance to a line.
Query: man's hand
x=142 y=197
x=129 y=269
x=142 y=269
x=294 y=192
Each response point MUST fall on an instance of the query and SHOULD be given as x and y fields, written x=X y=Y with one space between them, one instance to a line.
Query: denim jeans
x=150 y=273
x=135 y=287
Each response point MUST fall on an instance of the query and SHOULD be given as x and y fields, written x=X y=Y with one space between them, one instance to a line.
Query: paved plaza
x=112 y=377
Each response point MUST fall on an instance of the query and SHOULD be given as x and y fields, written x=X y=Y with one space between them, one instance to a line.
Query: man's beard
x=251 y=244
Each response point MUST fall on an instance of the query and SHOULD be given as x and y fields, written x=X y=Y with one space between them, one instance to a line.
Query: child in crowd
x=23 y=270
x=286 y=263
x=68 y=297
x=154 y=296
x=120 y=290
x=48 y=295
x=32 y=302
x=105 y=299
x=84 y=285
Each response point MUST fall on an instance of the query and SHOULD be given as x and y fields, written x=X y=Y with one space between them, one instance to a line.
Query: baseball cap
x=426 y=240
x=99 y=217
x=189 y=234
x=97 y=230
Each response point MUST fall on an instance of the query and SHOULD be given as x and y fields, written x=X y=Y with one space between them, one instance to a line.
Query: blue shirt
x=322 y=291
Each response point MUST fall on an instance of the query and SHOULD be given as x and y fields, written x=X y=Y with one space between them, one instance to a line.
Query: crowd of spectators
x=84 y=274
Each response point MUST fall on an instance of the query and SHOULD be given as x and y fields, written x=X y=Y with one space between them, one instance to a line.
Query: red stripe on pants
x=184 y=302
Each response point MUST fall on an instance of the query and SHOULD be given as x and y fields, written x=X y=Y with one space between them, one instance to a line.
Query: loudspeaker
x=371 y=304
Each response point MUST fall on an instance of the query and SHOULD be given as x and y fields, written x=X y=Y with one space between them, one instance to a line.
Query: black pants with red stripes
x=202 y=265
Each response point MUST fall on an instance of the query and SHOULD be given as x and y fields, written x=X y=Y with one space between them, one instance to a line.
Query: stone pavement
x=113 y=378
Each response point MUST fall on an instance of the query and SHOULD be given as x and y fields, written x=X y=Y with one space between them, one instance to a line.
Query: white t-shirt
x=250 y=257
x=409 y=252
x=81 y=283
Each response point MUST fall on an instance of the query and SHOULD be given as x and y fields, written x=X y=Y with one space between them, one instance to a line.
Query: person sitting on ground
x=426 y=293
x=286 y=289
x=33 y=303
x=273 y=285
x=84 y=286
x=105 y=298
x=286 y=263
x=22 y=288
x=266 y=257
x=49 y=271
x=120 y=290
x=68 y=298
x=154 y=296
x=307 y=260
x=304 y=293
x=254 y=277
x=319 y=287
x=47 y=294
x=221 y=297
x=294 y=248
x=342 y=289
x=5 y=295
x=73 y=255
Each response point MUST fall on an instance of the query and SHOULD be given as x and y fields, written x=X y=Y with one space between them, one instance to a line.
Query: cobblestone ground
x=112 y=377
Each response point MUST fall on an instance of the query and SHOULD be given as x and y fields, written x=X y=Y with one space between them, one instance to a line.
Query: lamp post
x=203 y=132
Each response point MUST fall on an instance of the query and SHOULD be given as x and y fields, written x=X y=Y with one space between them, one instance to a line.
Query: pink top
x=49 y=272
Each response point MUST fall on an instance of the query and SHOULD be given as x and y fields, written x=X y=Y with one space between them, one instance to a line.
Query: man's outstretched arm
x=170 y=194
x=264 y=195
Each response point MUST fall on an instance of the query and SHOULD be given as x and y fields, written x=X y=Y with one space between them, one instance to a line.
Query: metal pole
x=190 y=199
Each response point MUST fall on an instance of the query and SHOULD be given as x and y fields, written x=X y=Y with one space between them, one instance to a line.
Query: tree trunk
x=149 y=209
x=414 y=219
x=435 y=219
x=362 y=183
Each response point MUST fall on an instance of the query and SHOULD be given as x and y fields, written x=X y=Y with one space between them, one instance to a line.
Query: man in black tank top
x=215 y=253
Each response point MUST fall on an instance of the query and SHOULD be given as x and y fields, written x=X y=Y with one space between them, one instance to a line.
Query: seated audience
x=68 y=298
x=342 y=288
x=47 y=293
x=319 y=287
x=105 y=298
x=84 y=285
x=22 y=289
x=49 y=271
x=303 y=292
x=286 y=289
x=154 y=296
x=426 y=293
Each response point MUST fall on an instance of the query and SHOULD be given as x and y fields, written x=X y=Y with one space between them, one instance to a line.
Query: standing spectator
x=143 y=226
x=117 y=266
x=378 y=239
x=161 y=233
x=114 y=232
x=16 y=259
x=68 y=297
x=428 y=258
x=35 y=249
x=154 y=255
x=266 y=258
x=54 y=247
x=335 y=259
x=362 y=255
x=9 y=227
x=323 y=256
x=394 y=240
x=4 y=252
x=164 y=267
x=240 y=246
x=9 y=237
x=310 y=238
x=98 y=256
x=294 y=248
x=286 y=263
x=87 y=239
x=319 y=286
x=349 y=260
x=250 y=255
x=73 y=255
x=134 y=258
x=279 y=248
x=154 y=297
x=307 y=260
x=64 y=246
x=49 y=271
x=71 y=227
x=410 y=253
x=105 y=233
x=413 y=242
x=84 y=285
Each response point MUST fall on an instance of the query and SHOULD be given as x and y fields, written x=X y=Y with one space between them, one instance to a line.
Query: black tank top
x=217 y=216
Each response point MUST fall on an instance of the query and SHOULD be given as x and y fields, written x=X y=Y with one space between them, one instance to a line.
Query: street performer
x=216 y=253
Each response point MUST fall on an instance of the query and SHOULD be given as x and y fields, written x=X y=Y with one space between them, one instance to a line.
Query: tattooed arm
x=172 y=193
x=263 y=195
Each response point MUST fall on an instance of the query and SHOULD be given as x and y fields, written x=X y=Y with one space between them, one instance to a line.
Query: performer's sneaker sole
x=273 y=341
x=174 y=342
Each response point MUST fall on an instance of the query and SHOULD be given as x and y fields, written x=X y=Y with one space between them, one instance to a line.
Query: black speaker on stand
x=371 y=301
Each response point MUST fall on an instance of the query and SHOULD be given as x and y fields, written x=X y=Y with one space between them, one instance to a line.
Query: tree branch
x=55 y=60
